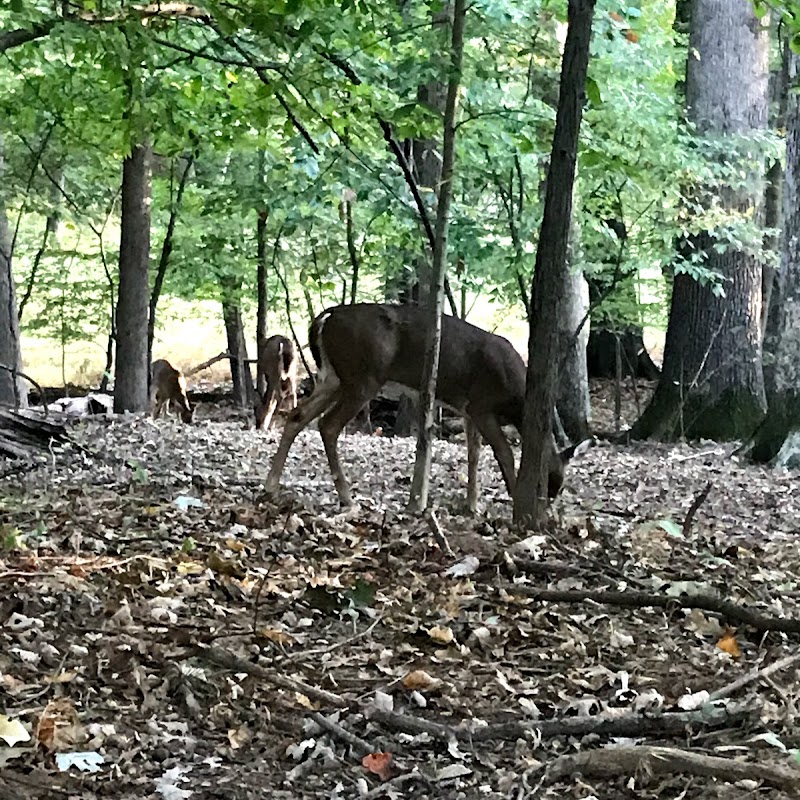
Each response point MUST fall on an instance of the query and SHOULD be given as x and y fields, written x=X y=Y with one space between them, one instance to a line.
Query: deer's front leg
x=490 y=427
x=323 y=397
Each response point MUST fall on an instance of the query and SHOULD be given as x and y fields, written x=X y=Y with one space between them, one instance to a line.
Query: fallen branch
x=224 y=658
x=358 y=744
x=627 y=725
x=30 y=380
x=663 y=760
x=207 y=364
x=754 y=675
x=705 y=602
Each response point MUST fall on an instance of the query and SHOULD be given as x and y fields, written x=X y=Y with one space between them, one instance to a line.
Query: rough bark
x=773 y=218
x=573 y=381
x=712 y=381
x=13 y=391
x=166 y=252
x=778 y=437
x=546 y=345
x=237 y=346
x=132 y=368
x=435 y=294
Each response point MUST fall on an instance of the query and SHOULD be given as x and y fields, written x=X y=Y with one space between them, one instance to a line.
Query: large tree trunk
x=435 y=294
x=546 y=344
x=132 y=368
x=237 y=346
x=778 y=437
x=12 y=387
x=712 y=382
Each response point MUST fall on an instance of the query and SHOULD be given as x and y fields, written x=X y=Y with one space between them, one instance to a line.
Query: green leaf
x=593 y=92
x=672 y=528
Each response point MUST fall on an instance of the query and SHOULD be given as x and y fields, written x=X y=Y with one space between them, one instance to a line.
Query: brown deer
x=360 y=347
x=168 y=384
x=278 y=362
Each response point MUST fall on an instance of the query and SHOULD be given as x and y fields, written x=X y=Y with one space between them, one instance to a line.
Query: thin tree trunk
x=166 y=252
x=351 y=249
x=546 y=345
x=263 y=296
x=12 y=387
x=50 y=228
x=237 y=346
x=435 y=297
x=132 y=368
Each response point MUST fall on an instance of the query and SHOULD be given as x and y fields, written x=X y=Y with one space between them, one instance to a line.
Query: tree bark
x=546 y=343
x=13 y=391
x=166 y=252
x=237 y=346
x=263 y=299
x=712 y=381
x=573 y=380
x=778 y=437
x=435 y=295
x=132 y=368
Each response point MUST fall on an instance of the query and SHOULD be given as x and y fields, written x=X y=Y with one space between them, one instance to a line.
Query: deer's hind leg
x=350 y=401
x=473 y=457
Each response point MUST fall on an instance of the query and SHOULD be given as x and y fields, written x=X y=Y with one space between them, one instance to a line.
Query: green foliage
x=279 y=103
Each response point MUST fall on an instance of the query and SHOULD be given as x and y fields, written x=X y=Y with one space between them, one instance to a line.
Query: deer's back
x=387 y=343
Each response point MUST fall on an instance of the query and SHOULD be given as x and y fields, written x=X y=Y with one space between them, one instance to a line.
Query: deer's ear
x=576 y=450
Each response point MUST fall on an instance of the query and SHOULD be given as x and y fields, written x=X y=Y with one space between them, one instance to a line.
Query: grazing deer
x=278 y=362
x=168 y=384
x=360 y=347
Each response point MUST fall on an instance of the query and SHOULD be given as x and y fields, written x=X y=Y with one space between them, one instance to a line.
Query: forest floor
x=168 y=634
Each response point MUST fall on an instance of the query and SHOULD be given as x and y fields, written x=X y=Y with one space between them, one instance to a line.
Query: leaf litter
x=127 y=570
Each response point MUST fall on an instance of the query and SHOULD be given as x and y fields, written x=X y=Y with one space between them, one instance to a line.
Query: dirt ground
x=168 y=633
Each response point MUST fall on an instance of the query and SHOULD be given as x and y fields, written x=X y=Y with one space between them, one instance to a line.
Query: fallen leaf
x=729 y=644
x=441 y=634
x=379 y=764
x=421 y=681
x=12 y=731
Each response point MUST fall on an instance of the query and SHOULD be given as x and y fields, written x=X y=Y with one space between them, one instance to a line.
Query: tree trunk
x=132 y=367
x=12 y=387
x=435 y=295
x=546 y=345
x=263 y=298
x=50 y=229
x=606 y=344
x=712 y=381
x=166 y=252
x=237 y=346
x=773 y=218
x=573 y=381
x=778 y=437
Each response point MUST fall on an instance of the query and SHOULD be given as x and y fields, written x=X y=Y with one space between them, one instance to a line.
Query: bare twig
x=754 y=675
x=665 y=760
x=698 y=501
x=31 y=381
x=358 y=744
x=733 y=611
x=224 y=658
x=627 y=725
x=207 y=364
x=438 y=533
